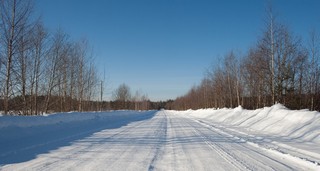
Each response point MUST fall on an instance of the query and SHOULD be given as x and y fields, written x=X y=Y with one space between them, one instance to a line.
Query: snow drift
x=22 y=138
x=59 y=118
x=300 y=125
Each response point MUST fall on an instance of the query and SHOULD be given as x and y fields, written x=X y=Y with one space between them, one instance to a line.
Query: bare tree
x=20 y=72
x=314 y=66
x=256 y=72
x=33 y=66
x=53 y=63
x=137 y=99
x=14 y=18
x=276 y=69
x=122 y=95
x=268 y=46
x=39 y=50
x=140 y=100
x=233 y=74
x=85 y=74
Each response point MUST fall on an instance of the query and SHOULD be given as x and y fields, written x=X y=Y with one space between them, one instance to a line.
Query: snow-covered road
x=163 y=141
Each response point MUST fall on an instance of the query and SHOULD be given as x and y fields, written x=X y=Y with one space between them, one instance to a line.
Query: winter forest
x=279 y=68
x=41 y=72
x=44 y=72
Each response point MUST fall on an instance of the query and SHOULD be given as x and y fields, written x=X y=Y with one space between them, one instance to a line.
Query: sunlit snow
x=271 y=138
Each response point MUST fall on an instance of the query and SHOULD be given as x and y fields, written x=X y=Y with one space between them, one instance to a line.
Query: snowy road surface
x=160 y=140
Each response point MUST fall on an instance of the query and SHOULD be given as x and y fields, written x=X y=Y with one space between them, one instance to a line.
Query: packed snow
x=271 y=138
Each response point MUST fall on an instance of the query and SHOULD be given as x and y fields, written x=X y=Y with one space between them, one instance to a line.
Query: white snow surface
x=278 y=121
x=272 y=138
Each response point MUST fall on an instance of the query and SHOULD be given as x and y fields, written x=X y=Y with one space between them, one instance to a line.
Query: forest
x=279 y=68
x=45 y=72
x=42 y=72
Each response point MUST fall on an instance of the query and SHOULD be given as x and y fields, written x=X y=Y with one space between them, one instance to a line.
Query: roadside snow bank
x=277 y=120
x=30 y=121
x=24 y=138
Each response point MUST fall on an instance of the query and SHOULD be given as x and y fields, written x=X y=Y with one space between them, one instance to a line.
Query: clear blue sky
x=163 y=47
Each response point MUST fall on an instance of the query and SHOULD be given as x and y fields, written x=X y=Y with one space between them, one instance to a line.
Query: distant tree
x=141 y=101
x=122 y=95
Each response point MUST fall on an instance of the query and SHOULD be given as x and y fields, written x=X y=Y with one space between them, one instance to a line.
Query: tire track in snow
x=74 y=152
x=145 y=146
x=156 y=120
x=164 y=142
x=194 y=153
x=249 y=159
x=174 y=155
x=230 y=159
x=163 y=138
x=261 y=148
x=250 y=162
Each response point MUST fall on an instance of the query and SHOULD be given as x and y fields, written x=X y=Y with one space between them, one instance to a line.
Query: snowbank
x=30 y=121
x=23 y=138
x=277 y=120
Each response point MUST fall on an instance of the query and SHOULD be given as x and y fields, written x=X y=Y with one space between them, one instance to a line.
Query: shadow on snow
x=20 y=144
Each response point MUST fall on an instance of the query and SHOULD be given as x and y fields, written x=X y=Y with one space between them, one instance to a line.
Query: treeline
x=279 y=68
x=41 y=72
x=46 y=72
x=124 y=99
x=133 y=105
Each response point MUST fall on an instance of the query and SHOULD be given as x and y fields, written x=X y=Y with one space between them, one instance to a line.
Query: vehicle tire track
x=250 y=161
x=163 y=138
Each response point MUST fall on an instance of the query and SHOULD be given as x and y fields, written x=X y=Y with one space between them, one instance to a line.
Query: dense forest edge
x=44 y=72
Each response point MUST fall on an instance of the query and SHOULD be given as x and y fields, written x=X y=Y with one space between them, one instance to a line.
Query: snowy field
x=272 y=138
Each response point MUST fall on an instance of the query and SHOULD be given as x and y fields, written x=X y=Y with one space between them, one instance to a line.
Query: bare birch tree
x=53 y=64
x=39 y=50
x=14 y=18
x=314 y=66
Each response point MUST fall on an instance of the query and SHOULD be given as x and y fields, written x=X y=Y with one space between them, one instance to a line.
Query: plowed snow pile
x=275 y=121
